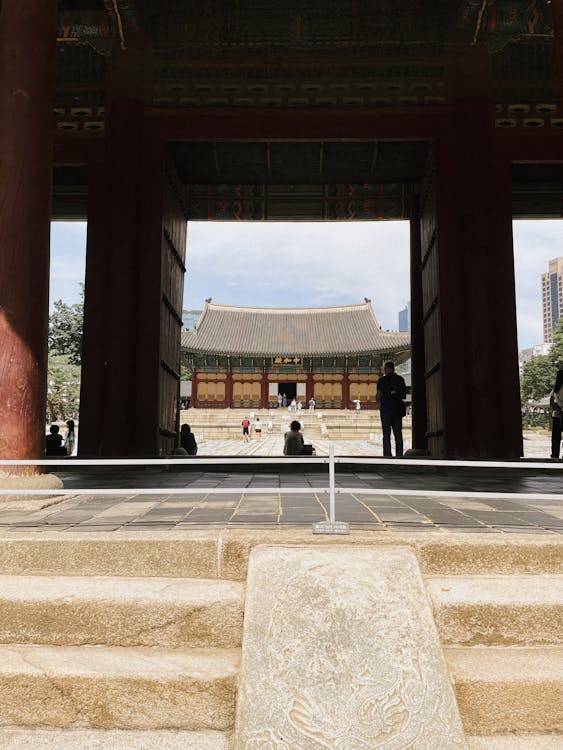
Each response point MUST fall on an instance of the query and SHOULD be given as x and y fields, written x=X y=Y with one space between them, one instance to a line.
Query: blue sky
x=302 y=264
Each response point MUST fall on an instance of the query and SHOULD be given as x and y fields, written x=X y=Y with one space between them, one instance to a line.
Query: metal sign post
x=332 y=526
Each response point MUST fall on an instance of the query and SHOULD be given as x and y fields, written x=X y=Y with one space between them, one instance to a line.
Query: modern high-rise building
x=189 y=319
x=552 y=298
x=405 y=318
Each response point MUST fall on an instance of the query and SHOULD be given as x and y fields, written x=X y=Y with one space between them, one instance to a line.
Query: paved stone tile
x=412 y=527
x=458 y=513
x=94 y=527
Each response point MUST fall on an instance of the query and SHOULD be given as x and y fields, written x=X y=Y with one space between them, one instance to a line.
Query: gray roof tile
x=311 y=331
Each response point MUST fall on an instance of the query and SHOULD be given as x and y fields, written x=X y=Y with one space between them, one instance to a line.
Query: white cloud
x=68 y=258
x=300 y=264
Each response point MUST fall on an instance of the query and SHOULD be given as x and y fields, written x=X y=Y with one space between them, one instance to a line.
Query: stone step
x=508 y=689
x=118 y=688
x=517 y=610
x=224 y=554
x=117 y=739
x=517 y=742
x=168 y=612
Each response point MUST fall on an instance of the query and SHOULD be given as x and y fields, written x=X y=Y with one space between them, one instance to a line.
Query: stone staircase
x=132 y=640
x=336 y=424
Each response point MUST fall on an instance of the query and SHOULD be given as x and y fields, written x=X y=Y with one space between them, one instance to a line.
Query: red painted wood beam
x=526 y=145
x=355 y=123
x=77 y=151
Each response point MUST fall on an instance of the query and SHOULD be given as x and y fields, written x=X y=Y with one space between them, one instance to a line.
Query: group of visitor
x=390 y=398
x=247 y=426
x=55 y=445
x=294 y=405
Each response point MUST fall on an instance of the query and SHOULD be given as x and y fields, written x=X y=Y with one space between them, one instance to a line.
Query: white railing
x=329 y=489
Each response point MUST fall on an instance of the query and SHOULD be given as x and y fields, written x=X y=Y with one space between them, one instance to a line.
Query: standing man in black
x=391 y=390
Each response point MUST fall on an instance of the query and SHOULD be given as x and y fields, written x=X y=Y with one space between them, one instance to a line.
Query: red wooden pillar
x=310 y=388
x=479 y=355
x=27 y=62
x=418 y=388
x=346 y=391
x=132 y=303
x=264 y=391
x=229 y=388
x=194 y=389
x=109 y=361
x=557 y=11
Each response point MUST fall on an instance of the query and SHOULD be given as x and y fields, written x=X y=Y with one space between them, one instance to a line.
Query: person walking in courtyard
x=391 y=392
x=311 y=404
x=556 y=410
x=284 y=400
x=357 y=407
x=245 y=430
x=293 y=440
x=258 y=428
x=280 y=399
x=70 y=439
x=187 y=440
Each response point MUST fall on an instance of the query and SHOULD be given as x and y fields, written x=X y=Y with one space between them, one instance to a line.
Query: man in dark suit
x=391 y=392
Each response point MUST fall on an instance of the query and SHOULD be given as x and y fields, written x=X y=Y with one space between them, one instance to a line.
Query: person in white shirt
x=258 y=428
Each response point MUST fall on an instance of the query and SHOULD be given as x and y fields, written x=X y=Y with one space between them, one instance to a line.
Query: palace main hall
x=246 y=356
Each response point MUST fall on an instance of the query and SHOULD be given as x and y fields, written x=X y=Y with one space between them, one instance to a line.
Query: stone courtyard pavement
x=490 y=500
x=536 y=445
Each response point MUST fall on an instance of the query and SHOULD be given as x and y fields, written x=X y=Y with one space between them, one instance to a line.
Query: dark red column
x=264 y=391
x=346 y=391
x=479 y=356
x=309 y=389
x=418 y=388
x=557 y=11
x=119 y=396
x=194 y=389
x=27 y=61
x=229 y=390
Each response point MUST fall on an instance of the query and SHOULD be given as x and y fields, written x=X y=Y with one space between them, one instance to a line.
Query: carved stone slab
x=340 y=652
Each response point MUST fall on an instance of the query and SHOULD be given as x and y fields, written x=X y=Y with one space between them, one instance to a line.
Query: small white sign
x=326 y=527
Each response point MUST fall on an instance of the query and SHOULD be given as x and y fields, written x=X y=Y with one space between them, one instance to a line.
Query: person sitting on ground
x=293 y=440
x=187 y=440
x=54 y=442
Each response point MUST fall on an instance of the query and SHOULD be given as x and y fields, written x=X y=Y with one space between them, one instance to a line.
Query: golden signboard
x=287 y=360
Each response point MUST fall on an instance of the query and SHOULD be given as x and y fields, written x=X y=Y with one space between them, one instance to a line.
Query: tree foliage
x=63 y=387
x=537 y=378
x=65 y=330
x=556 y=351
x=538 y=374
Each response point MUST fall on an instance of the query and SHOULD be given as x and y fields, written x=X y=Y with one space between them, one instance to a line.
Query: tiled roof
x=309 y=331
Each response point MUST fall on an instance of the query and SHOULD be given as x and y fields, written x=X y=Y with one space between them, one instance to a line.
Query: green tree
x=65 y=330
x=556 y=351
x=63 y=387
x=537 y=378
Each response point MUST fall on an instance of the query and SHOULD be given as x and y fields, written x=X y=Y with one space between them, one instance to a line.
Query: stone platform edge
x=223 y=553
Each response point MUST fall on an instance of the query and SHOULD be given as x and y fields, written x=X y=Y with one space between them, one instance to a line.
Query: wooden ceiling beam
x=314 y=123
